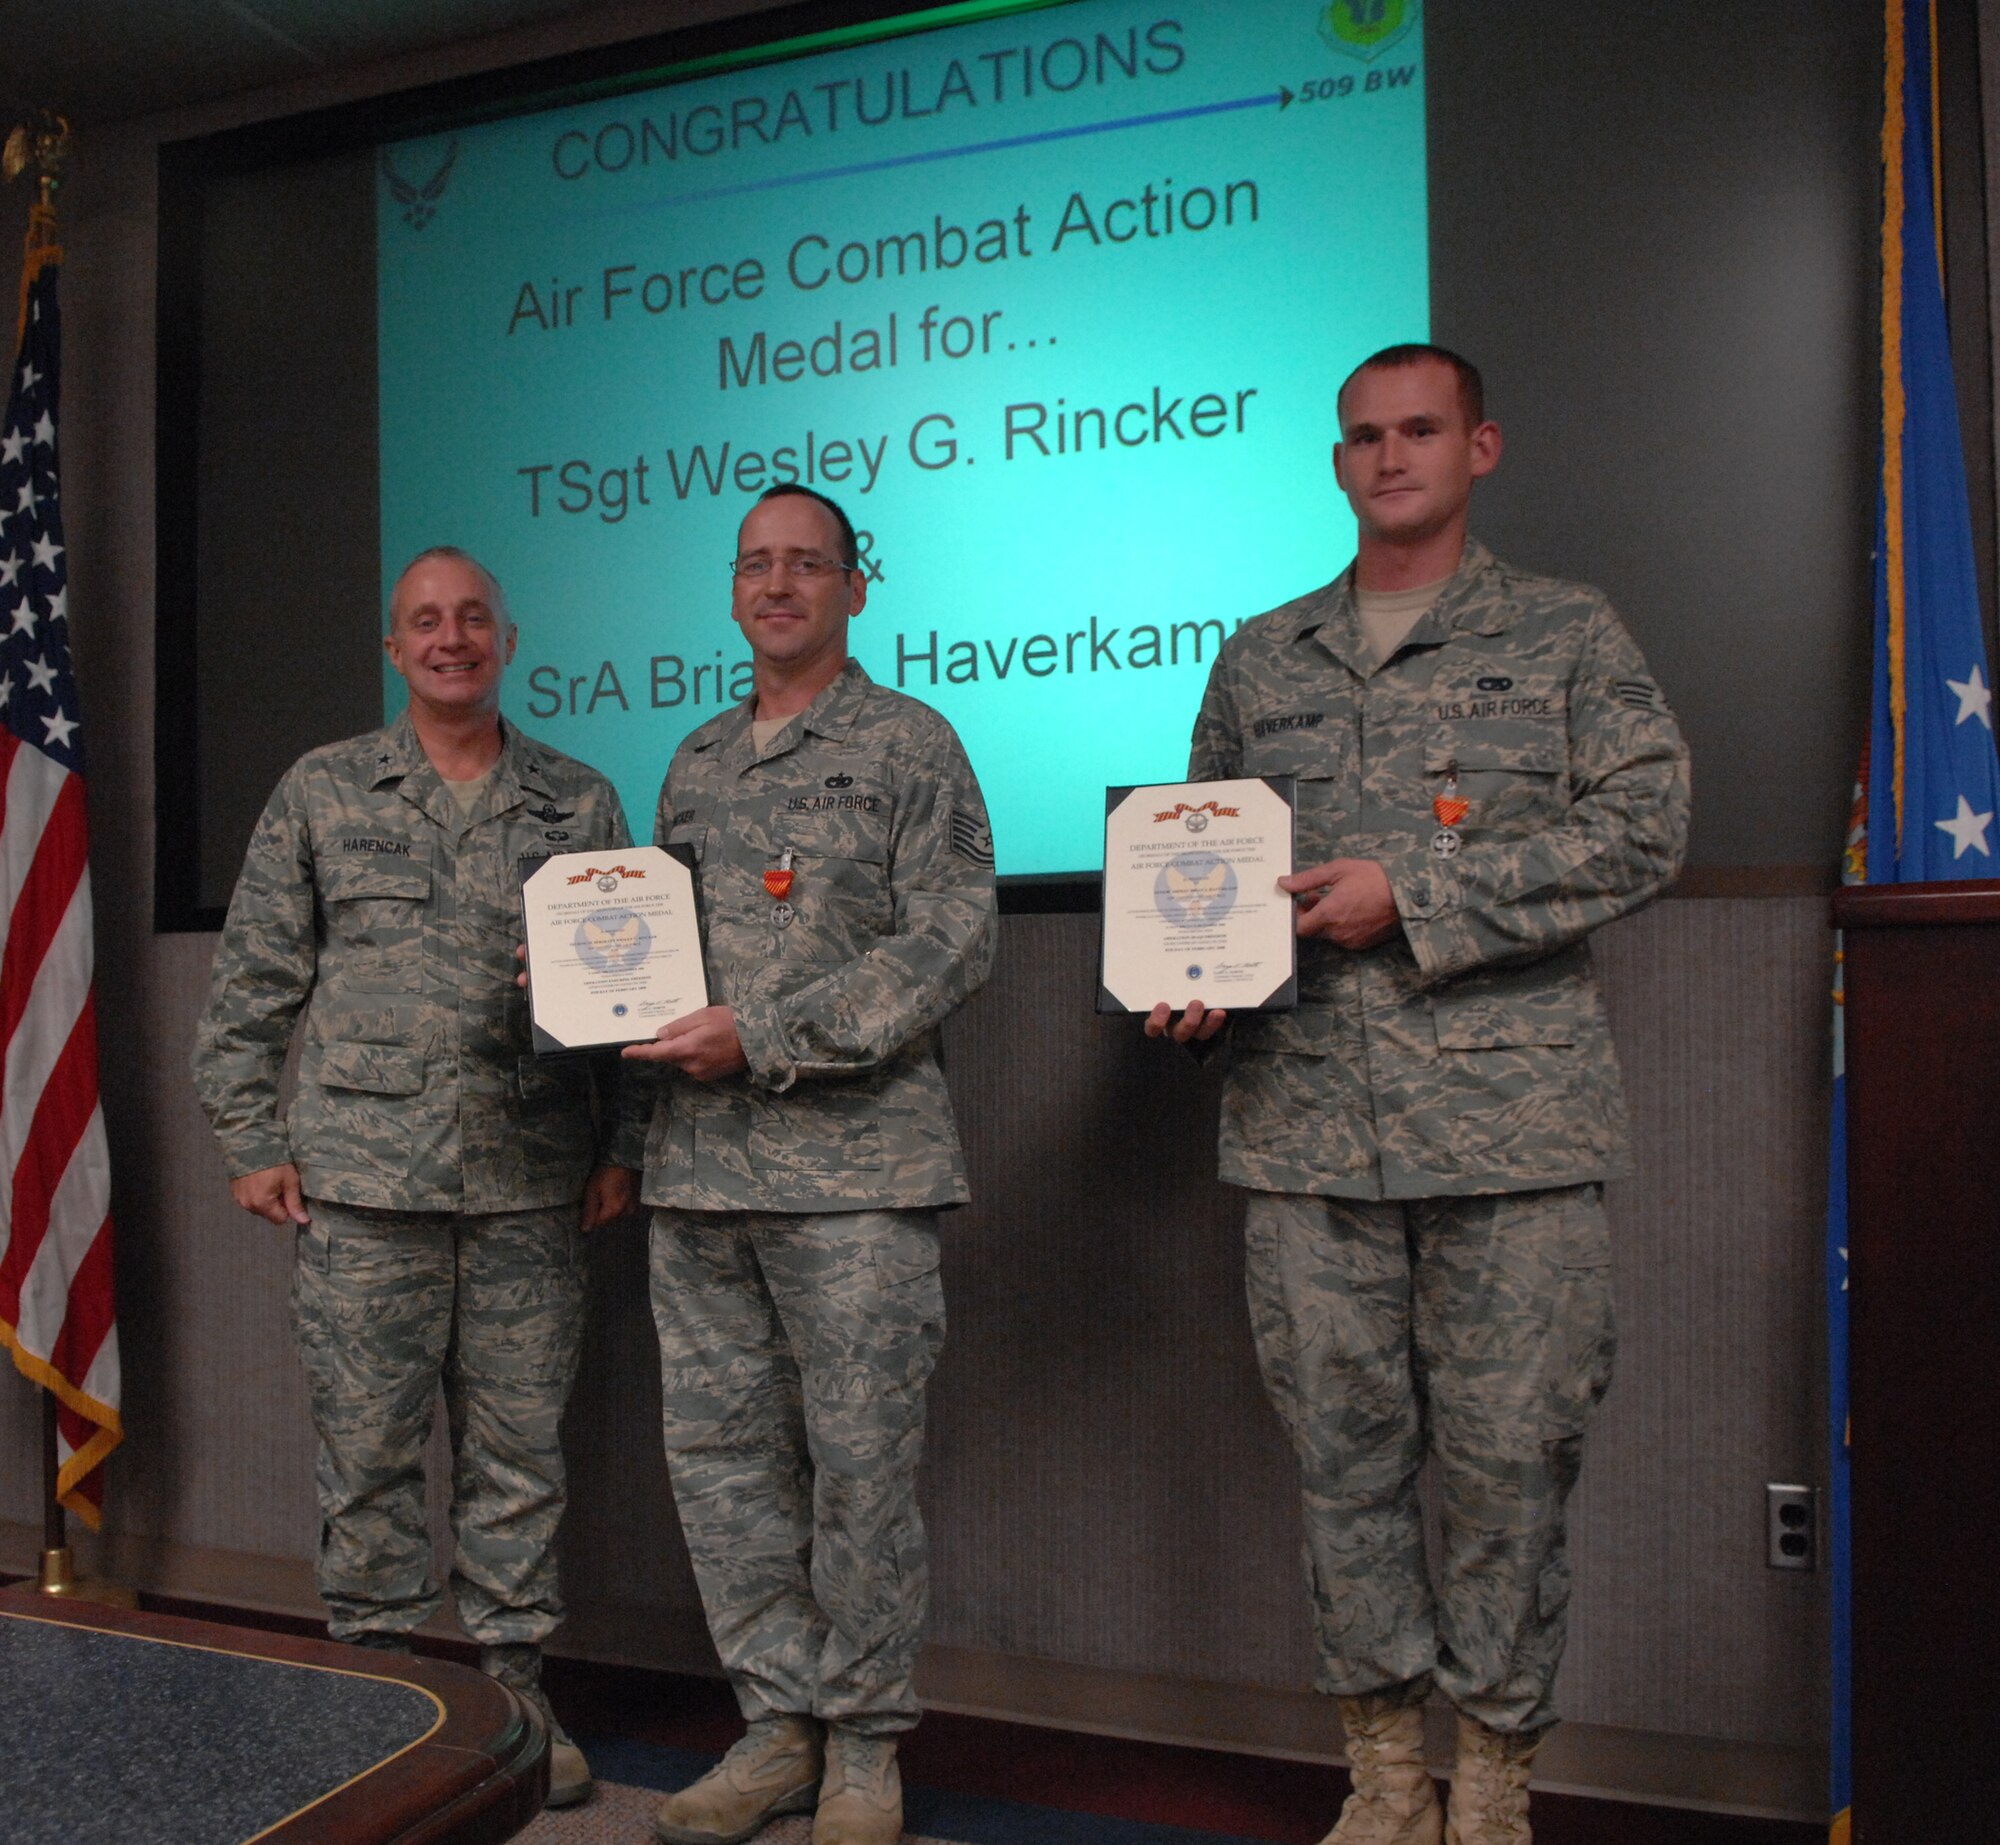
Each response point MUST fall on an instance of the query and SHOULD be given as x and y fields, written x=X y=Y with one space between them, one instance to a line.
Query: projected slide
x=1054 y=300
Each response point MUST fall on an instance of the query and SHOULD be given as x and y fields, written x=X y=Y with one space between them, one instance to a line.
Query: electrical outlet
x=1791 y=1536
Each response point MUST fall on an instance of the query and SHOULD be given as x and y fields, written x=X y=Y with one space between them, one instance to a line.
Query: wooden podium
x=1923 y=1165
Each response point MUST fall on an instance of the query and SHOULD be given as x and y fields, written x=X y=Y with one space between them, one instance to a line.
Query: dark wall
x=286 y=620
x=1654 y=228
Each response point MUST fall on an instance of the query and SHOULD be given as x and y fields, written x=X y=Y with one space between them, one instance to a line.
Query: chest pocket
x=374 y=906
x=840 y=871
x=692 y=837
x=1323 y=814
x=1514 y=775
x=1314 y=744
x=860 y=839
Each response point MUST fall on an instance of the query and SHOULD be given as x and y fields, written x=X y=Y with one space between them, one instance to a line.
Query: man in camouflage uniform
x=799 y=1151
x=438 y=1177
x=1486 y=772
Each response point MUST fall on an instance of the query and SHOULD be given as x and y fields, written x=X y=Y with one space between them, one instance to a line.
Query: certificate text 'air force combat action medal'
x=1192 y=908
x=614 y=946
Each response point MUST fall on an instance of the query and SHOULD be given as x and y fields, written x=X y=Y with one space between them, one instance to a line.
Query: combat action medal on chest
x=1450 y=810
x=778 y=881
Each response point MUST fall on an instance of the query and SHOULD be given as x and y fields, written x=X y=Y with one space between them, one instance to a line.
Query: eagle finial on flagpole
x=43 y=144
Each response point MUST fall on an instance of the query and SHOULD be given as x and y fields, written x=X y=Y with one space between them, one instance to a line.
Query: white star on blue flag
x=40 y=704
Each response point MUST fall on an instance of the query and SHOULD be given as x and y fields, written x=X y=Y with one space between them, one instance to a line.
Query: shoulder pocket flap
x=378 y=1069
x=1487 y=1022
x=835 y=834
x=1305 y=1031
x=367 y=875
x=1524 y=755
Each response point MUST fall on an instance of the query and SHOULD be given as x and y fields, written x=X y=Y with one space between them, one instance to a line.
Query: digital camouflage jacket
x=367 y=903
x=1469 y=1053
x=838 y=985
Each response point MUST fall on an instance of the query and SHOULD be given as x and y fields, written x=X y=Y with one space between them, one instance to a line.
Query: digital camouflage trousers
x=794 y=1351
x=388 y=1306
x=1478 y=1330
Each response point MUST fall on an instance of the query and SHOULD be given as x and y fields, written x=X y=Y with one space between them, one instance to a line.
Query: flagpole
x=46 y=146
x=58 y=1569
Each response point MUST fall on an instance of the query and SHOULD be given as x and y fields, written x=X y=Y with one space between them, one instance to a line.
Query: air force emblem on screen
x=420 y=201
x=1366 y=28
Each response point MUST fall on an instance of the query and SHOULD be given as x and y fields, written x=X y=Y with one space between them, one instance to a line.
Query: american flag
x=56 y=1311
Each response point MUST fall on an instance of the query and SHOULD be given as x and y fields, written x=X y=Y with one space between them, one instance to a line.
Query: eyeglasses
x=806 y=565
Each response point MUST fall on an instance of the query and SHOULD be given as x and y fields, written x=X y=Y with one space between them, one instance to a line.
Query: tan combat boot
x=569 y=1773
x=861 y=1800
x=1489 y=1787
x=1393 y=1802
x=774 y=1769
x=518 y=1666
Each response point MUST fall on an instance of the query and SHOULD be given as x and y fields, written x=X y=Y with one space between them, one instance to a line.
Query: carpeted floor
x=633 y=1775
x=973 y=1781
x=1020 y=1784
x=977 y=1783
x=620 y=1815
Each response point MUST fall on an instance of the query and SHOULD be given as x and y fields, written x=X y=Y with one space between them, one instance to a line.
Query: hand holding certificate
x=1192 y=908
x=614 y=946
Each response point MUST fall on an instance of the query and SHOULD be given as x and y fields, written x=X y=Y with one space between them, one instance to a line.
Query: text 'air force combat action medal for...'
x=1192 y=908
x=1450 y=810
x=778 y=881
x=614 y=946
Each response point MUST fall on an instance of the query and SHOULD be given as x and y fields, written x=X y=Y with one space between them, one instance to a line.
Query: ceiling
x=103 y=60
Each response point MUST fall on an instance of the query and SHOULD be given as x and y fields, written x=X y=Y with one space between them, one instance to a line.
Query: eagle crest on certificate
x=1196 y=888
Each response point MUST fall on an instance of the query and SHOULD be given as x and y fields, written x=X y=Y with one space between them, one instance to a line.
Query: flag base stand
x=58 y=1577
x=58 y=1572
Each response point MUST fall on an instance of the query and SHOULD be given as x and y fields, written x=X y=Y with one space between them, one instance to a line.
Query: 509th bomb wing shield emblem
x=420 y=203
